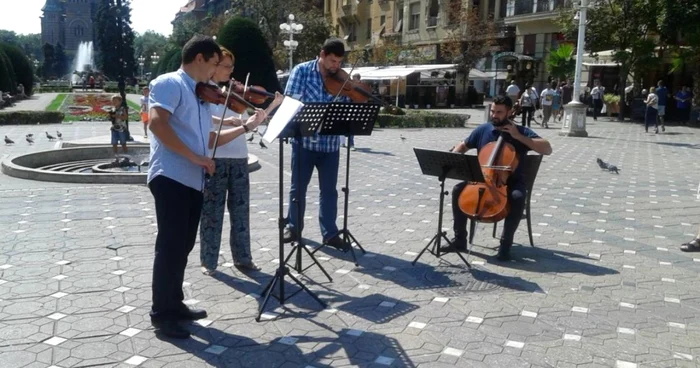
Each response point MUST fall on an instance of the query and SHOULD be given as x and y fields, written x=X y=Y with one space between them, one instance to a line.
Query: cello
x=488 y=201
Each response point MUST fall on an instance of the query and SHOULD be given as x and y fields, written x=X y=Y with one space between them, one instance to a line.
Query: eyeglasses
x=226 y=66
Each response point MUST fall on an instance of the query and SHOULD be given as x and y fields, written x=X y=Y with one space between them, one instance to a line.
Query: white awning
x=476 y=74
x=396 y=72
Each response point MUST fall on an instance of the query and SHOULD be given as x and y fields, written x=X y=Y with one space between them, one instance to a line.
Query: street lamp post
x=154 y=60
x=141 y=63
x=575 y=111
x=291 y=28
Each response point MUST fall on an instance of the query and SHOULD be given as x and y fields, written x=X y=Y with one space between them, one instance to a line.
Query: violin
x=488 y=201
x=254 y=94
x=339 y=83
x=213 y=94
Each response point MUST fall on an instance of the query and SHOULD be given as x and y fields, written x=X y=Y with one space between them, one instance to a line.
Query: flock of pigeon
x=30 y=138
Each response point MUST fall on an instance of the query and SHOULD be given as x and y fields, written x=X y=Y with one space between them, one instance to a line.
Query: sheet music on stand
x=287 y=111
x=461 y=167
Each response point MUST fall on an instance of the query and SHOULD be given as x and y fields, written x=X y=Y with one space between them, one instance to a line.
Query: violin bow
x=245 y=89
x=221 y=124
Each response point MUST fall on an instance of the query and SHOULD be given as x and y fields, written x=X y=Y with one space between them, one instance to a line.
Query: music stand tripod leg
x=282 y=269
x=299 y=243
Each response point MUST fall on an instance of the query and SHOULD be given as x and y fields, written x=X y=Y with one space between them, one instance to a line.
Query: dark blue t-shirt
x=683 y=95
x=487 y=133
x=662 y=94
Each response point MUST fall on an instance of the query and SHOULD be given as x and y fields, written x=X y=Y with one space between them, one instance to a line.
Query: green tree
x=683 y=36
x=183 y=30
x=163 y=62
x=7 y=83
x=316 y=31
x=30 y=43
x=625 y=26
x=49 y=59
x=145 y=45
x=469 y=39
x=113 y=53
x=60 y=65
x=243 y=37
x=24 y=70
x=561 y=63
x=174 y=61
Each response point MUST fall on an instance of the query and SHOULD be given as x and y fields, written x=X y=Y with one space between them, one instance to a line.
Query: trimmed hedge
x=422 y=119
x=31 y=117
x=24 y=70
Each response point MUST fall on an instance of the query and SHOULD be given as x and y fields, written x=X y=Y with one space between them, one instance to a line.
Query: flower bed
x=91 y=106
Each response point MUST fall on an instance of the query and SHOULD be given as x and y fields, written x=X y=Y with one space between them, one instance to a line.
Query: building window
x=415 y=16
x=369 y=29
x=433 y=11
x=78 y=31
x=382 y=19
x=556 y=38
x=529 y=44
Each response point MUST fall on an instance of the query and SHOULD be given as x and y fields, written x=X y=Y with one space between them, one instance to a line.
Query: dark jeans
x=597 y=107
x=517 y=205
x=651 y=118
x=327 y=165
x=528 y=113
x=178 y=209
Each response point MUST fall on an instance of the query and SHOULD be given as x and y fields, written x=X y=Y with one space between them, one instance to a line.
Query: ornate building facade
x=68 y=22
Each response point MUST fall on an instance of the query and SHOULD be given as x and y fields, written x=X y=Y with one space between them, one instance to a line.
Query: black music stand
x=347 y=118
x=302 y=123
x=446 y=165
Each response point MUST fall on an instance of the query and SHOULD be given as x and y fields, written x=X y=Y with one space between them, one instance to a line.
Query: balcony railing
x=526 y=7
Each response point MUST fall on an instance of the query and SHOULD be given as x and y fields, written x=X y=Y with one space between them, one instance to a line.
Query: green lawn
x=56 y=103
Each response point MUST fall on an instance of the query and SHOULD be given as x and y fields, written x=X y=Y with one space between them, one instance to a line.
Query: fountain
x=84 y=61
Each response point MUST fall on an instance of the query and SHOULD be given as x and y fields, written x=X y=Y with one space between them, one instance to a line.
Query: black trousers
x=178 y=209
x=516 y=196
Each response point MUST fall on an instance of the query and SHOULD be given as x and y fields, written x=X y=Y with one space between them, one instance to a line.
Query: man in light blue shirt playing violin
x=180 y=125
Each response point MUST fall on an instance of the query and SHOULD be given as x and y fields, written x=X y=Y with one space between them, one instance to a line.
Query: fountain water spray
x=84 y=60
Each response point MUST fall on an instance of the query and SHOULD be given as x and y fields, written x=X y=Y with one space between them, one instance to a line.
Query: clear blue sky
x=155 y=15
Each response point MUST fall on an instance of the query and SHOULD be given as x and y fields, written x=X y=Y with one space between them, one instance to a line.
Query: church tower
x=52 y=23
x=78 y=23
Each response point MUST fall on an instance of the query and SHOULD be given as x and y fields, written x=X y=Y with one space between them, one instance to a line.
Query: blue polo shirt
x=662 y=94
x=487 y=133
x=190 y=119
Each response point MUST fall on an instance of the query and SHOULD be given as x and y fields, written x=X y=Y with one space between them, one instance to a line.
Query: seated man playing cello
x=523 y=139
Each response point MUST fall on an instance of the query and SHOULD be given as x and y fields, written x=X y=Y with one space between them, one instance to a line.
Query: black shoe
x=503 y=256
x=171 y=329
x=503 y=253
x=459 y=244
x=191 y=314
x=289 y=235
x=337 y=243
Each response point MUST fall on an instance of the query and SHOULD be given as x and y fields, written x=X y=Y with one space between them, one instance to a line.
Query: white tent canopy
x=396 y=72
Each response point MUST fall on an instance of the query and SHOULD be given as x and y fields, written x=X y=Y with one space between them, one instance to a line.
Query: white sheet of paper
x=283 y=116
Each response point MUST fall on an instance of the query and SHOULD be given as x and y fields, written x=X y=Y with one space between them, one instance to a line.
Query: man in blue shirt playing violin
x=181 y=137
x=320 y=151
x=523 y=140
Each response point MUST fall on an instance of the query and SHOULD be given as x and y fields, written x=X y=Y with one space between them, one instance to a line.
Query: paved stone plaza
x=604 y=286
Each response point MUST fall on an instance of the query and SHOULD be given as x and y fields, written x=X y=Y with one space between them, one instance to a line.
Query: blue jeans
x=231 y=177
x=327 y=165
x=118 y=137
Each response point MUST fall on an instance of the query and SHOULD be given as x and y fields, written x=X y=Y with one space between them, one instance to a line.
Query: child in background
x=118 y=117
x=144 y=111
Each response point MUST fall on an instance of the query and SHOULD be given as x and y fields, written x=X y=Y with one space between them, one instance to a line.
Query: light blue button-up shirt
x=190 y=119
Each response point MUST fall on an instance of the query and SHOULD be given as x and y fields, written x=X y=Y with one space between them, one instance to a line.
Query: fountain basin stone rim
x=25 y=166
